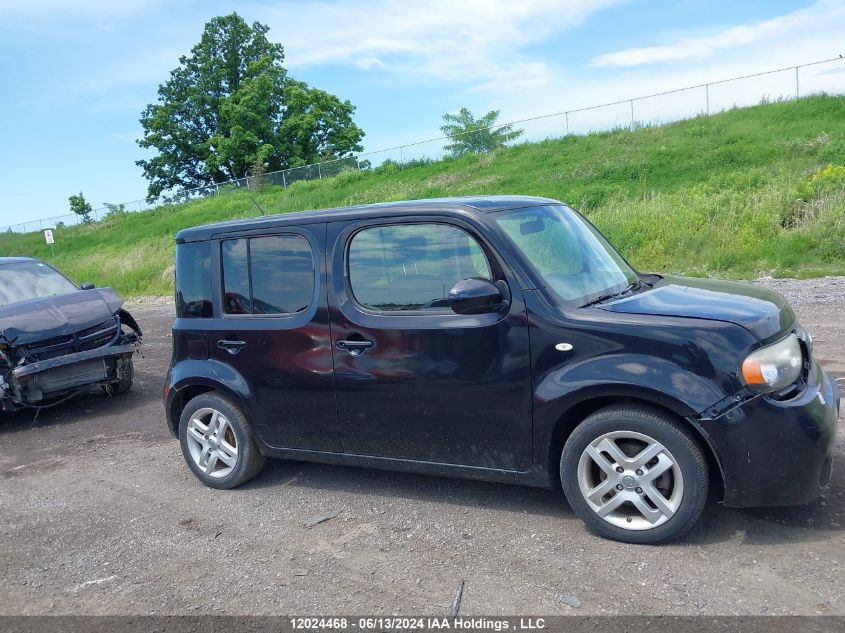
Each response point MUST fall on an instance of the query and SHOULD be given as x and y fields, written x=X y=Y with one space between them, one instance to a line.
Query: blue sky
x=76 y=73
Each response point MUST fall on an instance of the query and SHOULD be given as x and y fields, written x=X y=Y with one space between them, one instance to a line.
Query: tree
x=80 y=206
x=230 y=104
x=258 y=175
x=113 y=209
x=474 y=136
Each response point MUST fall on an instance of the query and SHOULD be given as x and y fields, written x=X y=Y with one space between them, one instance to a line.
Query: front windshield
x=567 y=252
x=21 y=281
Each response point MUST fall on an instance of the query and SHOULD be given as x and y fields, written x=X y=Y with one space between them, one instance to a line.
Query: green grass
x=710 y=196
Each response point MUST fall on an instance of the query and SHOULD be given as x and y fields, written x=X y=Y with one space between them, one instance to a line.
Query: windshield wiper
x=599 y=299
x=632 y=286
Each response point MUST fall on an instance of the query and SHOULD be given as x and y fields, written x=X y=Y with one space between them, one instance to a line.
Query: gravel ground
x=823 y=291
x=99 y=515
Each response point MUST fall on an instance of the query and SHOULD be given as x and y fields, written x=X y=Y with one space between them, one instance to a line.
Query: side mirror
x=475 y=296
x=86 y=285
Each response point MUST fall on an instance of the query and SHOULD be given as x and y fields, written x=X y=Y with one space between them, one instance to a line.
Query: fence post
x=707 y=96
x=632 y=114
x=401 y=156
x=797 y=94
x=284 y=180
x=319 y=171
x=566 y=114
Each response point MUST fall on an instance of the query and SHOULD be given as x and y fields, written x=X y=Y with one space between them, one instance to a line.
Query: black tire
x=663 y=428
x=126 y=374
x=249 y=461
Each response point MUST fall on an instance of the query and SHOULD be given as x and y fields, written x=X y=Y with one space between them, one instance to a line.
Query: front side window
x=412 y=266
x=574 y=259
x=25 y=280
x=267 y=275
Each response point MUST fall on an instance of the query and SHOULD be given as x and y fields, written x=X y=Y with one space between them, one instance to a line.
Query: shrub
x=822 y=181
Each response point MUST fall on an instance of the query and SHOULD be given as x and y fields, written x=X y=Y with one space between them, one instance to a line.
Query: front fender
x=616 y=377
x=659 y=379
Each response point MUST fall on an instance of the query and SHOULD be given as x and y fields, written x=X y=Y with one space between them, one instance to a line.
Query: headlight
x=774 y=367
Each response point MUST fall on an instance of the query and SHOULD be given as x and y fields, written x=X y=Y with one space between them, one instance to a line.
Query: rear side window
x=412 y=266
x=267 y=275
x=193 y=280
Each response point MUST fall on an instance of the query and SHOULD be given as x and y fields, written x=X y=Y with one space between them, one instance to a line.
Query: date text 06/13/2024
x=417 y=623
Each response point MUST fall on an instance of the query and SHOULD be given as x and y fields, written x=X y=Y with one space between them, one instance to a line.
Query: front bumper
x=777 y=453
x=43 y=379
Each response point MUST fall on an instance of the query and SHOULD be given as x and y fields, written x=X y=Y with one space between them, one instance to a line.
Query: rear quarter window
x=269 y=275
x=193 y=280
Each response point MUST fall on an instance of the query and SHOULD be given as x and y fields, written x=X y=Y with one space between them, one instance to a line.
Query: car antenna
x=257 y=206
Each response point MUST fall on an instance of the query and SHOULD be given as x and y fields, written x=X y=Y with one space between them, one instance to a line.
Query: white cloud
x=782 y=28
x=457 y=40
x=472 y=43
x=368 y=63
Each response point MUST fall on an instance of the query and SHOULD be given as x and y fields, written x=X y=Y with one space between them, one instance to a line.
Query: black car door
x=413 y=379
x=271 y=334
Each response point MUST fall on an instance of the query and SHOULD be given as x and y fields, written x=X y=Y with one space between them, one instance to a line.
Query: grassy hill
x=747 y=192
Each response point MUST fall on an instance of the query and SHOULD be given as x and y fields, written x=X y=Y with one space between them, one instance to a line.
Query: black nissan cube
x=498 y=338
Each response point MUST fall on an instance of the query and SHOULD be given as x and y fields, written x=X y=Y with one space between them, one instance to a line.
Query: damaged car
x=58 y=339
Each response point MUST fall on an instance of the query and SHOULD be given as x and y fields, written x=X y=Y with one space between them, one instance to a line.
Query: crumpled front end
x=47 y=370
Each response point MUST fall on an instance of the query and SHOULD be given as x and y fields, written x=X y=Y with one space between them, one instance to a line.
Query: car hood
x=38 y=319
x=762 y=312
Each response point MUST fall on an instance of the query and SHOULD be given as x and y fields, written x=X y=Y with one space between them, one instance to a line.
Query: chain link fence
x=824 y=76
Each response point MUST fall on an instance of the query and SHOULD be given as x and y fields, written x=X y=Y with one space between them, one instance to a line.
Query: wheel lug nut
x=619 y=486
x=639 y=471
x=639 y=490
x=619 y=469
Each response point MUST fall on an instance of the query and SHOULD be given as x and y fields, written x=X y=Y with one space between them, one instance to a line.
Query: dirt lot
x=99 y=515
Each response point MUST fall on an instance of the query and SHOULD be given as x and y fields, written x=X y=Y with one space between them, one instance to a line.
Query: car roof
x=480 y=204
x=17 y=260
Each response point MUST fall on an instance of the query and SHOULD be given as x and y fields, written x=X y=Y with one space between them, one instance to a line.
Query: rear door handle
x=231 y=346
x=355 y=348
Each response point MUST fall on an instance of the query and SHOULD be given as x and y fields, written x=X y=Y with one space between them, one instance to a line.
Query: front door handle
x=231 y=346
x=356 y=347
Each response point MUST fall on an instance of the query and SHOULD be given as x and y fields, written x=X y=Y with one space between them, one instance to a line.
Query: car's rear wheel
x=217 y=442
x=633 y=474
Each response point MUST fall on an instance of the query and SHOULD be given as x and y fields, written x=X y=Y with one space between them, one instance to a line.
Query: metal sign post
x=48 y=237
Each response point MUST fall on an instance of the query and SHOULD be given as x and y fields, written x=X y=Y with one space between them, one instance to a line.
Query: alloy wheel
x=630 y=480
x=212 y=443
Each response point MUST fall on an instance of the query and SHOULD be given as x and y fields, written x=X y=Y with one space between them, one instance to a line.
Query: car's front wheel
x=217 y=442
x=633 y=474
